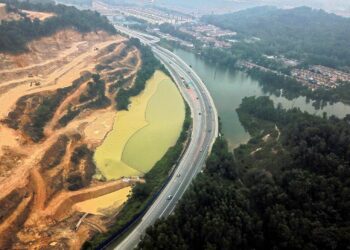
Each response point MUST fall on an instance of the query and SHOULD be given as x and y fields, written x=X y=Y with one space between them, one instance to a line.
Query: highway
x=204 y=133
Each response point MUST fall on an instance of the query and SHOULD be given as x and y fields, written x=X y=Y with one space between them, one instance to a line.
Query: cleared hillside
x=58 y=103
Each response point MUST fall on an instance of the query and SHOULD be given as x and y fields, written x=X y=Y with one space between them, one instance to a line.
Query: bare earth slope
x=52 y=117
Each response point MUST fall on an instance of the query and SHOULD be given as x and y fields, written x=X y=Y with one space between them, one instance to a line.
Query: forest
x=172 y=30
x=309 y=35
x=299 y=201
x=219 y=56
x=14 y=35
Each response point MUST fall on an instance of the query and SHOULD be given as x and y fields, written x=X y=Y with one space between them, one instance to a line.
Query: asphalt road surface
x=204 y=133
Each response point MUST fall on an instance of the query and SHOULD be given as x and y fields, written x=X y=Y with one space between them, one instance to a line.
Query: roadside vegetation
x=292 y=194
x=15 y=35
x=142 y=193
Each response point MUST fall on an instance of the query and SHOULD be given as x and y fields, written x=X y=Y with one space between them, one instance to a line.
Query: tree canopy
x=314 y=36
x=14 y=35
x=303 y=204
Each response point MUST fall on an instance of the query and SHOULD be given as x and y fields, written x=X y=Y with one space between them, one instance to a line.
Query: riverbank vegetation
x=273 y=83
x=142 y=193
x=14 y=35
x=293 y=194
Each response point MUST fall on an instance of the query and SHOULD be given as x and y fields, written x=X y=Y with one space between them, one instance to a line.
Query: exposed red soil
x=42 y=180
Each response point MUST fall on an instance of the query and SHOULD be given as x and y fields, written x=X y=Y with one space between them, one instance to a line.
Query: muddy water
x=142 y=135
x=165 y=115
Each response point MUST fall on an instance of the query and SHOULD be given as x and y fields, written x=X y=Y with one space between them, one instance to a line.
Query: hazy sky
x=337 y=6
x=334 y=4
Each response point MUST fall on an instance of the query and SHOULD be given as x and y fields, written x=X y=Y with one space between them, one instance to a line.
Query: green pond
x=165 y=115
x=142 y=135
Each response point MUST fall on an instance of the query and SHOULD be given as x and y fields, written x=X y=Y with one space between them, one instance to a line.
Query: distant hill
x=313 y=36
x=80 y=3
x=14 y=35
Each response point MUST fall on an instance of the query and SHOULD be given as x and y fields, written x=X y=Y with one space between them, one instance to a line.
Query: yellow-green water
x=104 y=204
x=165 y=115
x=142 y=135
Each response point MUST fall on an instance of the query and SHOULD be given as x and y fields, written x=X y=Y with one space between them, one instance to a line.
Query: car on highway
x=178 y=175
x=169 y=197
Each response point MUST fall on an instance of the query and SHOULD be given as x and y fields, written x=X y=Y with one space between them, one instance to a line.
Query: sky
x=337 y=6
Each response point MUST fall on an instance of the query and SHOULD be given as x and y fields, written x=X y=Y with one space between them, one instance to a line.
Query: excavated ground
x=45 y=172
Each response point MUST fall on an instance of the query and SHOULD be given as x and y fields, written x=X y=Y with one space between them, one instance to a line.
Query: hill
x=312 y=36
x=14 y=35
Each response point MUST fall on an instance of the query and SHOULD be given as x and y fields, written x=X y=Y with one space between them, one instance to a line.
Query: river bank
x=228 y=88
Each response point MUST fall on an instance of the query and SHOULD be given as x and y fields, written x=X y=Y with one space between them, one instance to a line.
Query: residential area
x=209 y=35
x=320 y=76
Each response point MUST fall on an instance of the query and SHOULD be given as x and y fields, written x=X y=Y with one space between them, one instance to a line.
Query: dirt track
x=62 y=77
x=40 y=15
x=45 y=214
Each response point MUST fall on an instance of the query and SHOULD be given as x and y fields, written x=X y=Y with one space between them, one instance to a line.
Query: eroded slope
x=57 y=103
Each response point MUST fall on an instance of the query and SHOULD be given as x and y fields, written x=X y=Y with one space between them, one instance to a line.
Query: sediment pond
x=142 y=135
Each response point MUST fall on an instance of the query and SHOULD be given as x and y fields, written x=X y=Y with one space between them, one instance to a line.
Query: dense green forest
x=14 y=35
x=292 y=194
x=312 y=36
x=172 y=30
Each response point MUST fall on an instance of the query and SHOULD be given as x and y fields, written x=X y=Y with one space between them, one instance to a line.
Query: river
x=228 y=88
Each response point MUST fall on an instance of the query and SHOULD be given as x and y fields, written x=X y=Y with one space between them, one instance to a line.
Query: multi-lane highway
x=204 y=132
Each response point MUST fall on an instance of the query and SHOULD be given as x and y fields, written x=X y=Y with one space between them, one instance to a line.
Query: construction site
x=57 y=105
